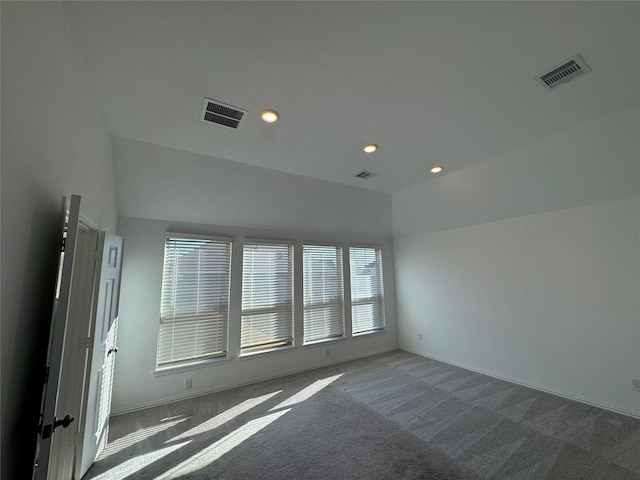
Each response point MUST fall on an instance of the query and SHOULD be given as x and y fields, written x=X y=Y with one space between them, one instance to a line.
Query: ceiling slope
x=451 y=83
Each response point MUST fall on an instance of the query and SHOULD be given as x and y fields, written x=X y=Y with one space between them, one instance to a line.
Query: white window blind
x=194 y=309
x=267 y=296
x=323 y=293
x=367 y=298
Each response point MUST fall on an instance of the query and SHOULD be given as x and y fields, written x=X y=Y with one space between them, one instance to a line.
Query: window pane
x=367 y=298
x=267 y=296
x=194 y=309
x=323 y=293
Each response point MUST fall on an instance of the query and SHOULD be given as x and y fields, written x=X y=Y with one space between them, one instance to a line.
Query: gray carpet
x=391 y=416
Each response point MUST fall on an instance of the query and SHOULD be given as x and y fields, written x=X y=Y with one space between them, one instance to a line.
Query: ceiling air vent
x=365 y=175
x=566 y=72
x=214 y=111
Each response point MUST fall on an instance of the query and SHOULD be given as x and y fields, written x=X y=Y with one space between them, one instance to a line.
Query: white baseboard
x=186 y=396
x=542 y=388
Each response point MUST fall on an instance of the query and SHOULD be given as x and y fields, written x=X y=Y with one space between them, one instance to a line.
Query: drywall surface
x=164 y=183
x=162 y=189
x=54 y=144
x=595 y=162
x=550 y=300
x=135 y=384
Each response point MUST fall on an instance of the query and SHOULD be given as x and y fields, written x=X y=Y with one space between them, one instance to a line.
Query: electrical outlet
x=420 y=337
x=635 y=382
x=188 y=383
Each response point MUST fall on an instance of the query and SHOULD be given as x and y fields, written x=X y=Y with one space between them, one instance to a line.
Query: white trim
x=369 y=332
x=364 y=245
x=88 y=223
x=209 y=240
x=268 y=351
x=324 y=341
x=182 y=367
x=196 y=236
x=248 y=314
x=535 y=386
x=84 y=220
x=323 y=244
x=229 y=386
x=309 y=272
x=267 y=241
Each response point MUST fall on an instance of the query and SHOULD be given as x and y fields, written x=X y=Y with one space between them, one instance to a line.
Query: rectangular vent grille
x=569 y=70
x=365 y=175
x=222 y=114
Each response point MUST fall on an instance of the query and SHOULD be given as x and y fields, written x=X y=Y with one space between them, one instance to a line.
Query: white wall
x=53 y=144
x=540 y=281
x=160 y=189
x=135 y=385
x=164 y=183
x=549 y=300
x=595 y=162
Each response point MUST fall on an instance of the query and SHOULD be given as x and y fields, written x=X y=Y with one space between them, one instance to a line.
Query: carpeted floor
x=391 y=416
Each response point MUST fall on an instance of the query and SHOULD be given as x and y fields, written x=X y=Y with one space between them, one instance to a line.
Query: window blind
x=367 y=298
x=323 y=293
x=267 y=296
x=194 y=308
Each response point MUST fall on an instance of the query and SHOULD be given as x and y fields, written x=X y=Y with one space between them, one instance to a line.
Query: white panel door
x=97 y=402
x=62 y=305
x=74 y=359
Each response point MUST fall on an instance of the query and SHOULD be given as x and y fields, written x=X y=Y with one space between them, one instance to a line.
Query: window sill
x=160 y=372
x=316 y=343
x=271 y=351
x=367 y=334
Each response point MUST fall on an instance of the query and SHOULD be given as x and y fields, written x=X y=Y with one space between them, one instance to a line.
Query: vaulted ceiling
x=450 y=83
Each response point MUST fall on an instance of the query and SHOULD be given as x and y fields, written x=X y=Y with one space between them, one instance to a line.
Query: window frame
x=220 y=356
x=342 y=288
x=373 y=300
x=285 y=344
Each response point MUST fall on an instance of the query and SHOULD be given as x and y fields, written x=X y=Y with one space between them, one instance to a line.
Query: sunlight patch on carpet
x=140 y=435
x=307 y=392
x=139 y=462
x=207 y=456
x=224 y=417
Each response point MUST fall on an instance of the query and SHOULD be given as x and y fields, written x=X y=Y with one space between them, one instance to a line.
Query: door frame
x=70 y=323
x=75 y=357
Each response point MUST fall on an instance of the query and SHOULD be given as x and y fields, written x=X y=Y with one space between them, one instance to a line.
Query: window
x=367 y=299
x=323 y=293
x=267 y=296
x=194 y=309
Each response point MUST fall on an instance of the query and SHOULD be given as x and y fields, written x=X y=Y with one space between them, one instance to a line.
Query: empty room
x=353 y=240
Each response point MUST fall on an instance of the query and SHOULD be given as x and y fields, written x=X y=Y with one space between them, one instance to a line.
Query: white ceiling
x=447 y=83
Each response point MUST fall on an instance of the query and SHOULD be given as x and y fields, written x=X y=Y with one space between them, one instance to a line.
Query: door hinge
x=95 y=255
x=46 y=375
x=86 y=343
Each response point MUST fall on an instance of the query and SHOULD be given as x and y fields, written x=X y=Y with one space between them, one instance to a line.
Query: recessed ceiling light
x=370 y=148
x=269 y=116
x=436 y=169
